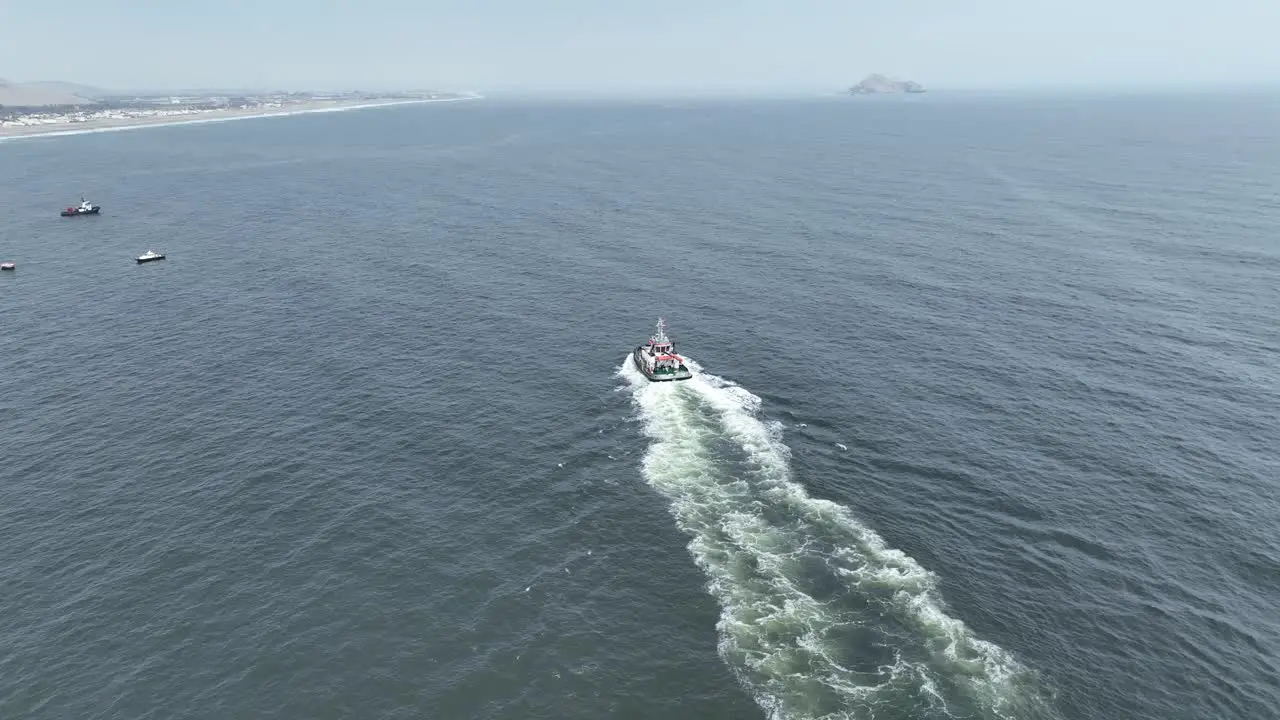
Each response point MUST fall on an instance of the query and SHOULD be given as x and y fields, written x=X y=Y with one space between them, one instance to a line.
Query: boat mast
x=661 y=335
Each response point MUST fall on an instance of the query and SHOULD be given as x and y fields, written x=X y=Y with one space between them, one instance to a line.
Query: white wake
x=820 y=619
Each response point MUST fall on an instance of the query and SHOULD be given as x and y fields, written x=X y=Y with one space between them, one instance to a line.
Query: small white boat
x=658 y=360
x=148 y=256
x=8 y=266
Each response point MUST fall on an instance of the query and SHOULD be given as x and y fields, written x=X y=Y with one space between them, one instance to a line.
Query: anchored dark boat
x=658 y=360
x=86 y=208
x=149 y=256
x=7 y=266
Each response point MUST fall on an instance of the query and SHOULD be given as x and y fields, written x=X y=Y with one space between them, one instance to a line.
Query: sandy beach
x=204 y=116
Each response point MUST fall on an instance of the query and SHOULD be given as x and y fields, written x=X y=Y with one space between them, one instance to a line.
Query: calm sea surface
x=985 y=422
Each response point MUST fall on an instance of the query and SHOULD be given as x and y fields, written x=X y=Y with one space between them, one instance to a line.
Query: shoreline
x=209 y=116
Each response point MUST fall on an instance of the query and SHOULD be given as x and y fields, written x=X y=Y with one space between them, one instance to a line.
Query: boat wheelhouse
x=657 y=359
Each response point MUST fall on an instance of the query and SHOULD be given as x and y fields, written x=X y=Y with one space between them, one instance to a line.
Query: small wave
x=820 y=618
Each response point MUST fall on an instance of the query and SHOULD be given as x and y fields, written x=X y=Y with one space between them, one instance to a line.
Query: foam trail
x=820 y=619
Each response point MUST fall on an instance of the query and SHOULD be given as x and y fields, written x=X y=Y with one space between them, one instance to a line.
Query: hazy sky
x=567 y=45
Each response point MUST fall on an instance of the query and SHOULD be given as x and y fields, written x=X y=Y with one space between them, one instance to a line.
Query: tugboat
x=7 y=266
x=658 y=360
x=86 y=208
x=148 y=256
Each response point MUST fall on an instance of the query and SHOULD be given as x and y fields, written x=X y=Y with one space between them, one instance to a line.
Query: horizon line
x=659 y=90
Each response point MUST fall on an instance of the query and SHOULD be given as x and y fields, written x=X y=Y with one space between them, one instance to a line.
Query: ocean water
x=984 y=422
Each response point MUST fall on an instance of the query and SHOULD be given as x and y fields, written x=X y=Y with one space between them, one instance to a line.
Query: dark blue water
x=985 y=421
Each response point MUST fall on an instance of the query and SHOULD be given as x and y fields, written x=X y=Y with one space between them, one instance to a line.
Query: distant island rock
x=882 y=85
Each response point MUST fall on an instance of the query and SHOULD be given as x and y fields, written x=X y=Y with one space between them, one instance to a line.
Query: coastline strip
x=211 y=116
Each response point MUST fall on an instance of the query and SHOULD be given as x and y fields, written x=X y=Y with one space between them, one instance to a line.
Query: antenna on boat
x=661 y=335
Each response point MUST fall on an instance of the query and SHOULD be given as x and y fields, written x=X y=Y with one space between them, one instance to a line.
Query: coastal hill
x=880 y=85
x=41 y=94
